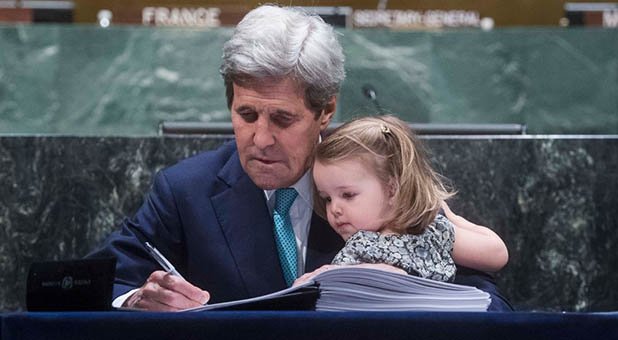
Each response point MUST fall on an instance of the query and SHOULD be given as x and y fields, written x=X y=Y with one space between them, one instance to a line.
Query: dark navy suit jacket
x=211 y=221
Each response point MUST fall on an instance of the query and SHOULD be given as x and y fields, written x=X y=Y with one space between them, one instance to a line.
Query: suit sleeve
x=485 y=282
x=158 y=222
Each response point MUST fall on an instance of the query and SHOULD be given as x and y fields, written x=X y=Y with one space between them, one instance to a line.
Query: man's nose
x=263 y=136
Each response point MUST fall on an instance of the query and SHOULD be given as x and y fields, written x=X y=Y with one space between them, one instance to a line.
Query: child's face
x=355 y=198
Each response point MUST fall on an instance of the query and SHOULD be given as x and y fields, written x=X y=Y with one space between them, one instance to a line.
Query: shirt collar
x=304 y=187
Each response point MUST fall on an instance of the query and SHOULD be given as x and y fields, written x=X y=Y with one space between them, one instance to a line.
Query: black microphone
x=370 y=92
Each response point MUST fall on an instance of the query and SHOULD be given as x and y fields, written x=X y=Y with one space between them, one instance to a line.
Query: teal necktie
x=284 y=233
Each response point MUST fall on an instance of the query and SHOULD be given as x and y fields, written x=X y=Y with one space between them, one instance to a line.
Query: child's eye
x=348 y=195
x=327 y=199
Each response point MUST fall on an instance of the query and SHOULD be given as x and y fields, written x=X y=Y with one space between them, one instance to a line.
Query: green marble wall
x=85 y=80
x=552 y=199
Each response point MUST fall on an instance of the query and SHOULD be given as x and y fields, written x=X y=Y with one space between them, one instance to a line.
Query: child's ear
x=391 y=191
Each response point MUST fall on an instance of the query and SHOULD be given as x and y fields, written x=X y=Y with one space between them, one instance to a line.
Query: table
x=309 y=325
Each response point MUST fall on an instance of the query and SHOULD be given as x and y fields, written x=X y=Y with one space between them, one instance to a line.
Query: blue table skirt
x=309 y=325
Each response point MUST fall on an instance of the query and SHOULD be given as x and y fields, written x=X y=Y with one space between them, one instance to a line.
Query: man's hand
x=165 y=292
x=380 y=266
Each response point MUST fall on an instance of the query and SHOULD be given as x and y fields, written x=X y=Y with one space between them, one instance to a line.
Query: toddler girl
x=378 y=191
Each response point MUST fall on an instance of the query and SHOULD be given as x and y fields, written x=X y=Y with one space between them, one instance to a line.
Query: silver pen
x=167 y=266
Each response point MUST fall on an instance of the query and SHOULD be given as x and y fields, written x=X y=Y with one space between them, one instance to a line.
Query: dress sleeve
x=445 y=232
x=438 y=239
x=355 y=249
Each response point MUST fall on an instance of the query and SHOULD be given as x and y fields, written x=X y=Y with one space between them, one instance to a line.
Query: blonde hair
x=388 y=146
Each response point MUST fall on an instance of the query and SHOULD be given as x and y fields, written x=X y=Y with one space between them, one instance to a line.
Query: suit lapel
x=324 y=243
x=247 y=225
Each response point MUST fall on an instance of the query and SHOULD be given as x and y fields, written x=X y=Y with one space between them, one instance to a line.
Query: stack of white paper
x=363 y=289
x=354 y=288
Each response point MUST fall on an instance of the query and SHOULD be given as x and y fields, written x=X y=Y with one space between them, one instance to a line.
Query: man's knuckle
x=166 y=295
x=155 y=276
x=146 y=293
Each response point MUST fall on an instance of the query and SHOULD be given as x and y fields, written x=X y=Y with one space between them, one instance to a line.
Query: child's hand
x=308 y=276
x=476 y=246
x=382 y=266
x=379 y=266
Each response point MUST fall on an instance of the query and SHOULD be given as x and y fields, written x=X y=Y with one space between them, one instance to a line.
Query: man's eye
x=282 y=121
x=248 y=116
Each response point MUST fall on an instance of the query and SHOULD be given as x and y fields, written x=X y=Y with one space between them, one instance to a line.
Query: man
x=217 y=216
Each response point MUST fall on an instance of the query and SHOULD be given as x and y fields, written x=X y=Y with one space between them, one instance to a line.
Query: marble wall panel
x=85 y=80
x=552 y=199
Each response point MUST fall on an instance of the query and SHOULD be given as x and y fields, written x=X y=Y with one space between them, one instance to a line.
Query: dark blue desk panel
x=308 y=325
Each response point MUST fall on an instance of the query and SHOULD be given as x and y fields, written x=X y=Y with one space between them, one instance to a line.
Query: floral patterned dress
x=427 y=255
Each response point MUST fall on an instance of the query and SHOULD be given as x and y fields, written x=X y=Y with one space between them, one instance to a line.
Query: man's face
x=275 y=132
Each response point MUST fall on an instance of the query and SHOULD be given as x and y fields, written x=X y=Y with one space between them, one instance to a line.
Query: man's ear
x=328 y=112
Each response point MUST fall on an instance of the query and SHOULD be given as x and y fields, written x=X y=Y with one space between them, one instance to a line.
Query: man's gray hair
x=273 y=41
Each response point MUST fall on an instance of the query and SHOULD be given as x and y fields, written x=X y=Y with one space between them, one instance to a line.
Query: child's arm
x=475 y=246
